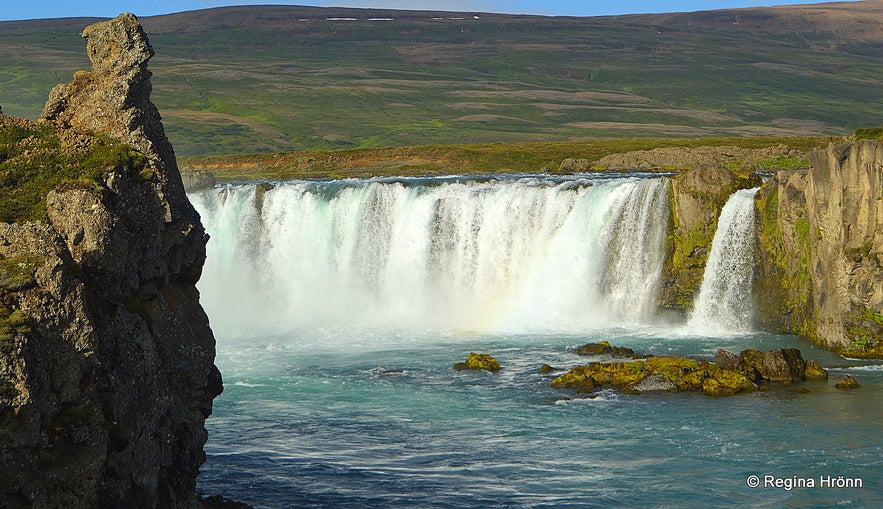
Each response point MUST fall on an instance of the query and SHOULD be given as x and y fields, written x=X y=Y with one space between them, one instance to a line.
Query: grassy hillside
x=262 y=79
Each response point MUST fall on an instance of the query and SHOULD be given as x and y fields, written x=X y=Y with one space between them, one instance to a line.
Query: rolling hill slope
x=257 y=79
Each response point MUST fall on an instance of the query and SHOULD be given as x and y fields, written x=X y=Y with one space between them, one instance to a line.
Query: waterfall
x=510 y=254
x=724 y=301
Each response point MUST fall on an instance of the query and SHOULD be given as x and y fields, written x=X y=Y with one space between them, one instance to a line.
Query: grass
x=453 y=159
x=245 y=80
x=34 y=160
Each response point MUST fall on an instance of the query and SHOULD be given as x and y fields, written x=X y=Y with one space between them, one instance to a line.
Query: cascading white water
x=724 y=303
x=527 y=254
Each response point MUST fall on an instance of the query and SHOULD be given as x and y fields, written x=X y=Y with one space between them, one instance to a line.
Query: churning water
x=340 y=307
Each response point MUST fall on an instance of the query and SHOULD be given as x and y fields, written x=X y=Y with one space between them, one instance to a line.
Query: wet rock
x=478 y=361
x=697 y=198
x=545 y=368
x=605 y=348
x=727 y=360
x=784 y=366
x=814 y=371
x=847 y=382
x=750 y=371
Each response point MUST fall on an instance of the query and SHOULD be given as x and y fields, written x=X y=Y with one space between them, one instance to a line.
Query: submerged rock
x=847 y=382
x=478 y=361
x=731 y=375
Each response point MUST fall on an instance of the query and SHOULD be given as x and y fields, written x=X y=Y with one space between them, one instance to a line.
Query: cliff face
x=106 y=357
x=821 y=250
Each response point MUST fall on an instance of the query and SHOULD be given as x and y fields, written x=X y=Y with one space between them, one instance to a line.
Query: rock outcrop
x=685 y=158
x=820 y=250
x=106 y=356
x=730 y=374
x=697 y=197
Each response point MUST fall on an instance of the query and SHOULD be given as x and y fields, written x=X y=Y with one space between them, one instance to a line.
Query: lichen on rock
x=730 y=375
x=478 y=362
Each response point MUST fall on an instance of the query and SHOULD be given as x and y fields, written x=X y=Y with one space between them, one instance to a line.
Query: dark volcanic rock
x=106 y=368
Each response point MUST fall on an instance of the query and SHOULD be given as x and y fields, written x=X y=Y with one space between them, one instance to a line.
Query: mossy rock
x=477 y=362
x=35 y=158
x=847 y=382
x=12 y=322
x=605 y=348
x=17 y=272
x=814 y=371
x=744 y=373
x=864 y=330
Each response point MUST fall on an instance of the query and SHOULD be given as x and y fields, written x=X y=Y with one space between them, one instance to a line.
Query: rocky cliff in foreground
x=106 y=357
x=820 y=250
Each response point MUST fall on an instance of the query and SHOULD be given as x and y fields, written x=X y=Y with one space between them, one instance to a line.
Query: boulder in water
x=847 y=382
x=477 y=362
x=785 y=365
x=605 y=348
x=731 y=374
x=814 y=371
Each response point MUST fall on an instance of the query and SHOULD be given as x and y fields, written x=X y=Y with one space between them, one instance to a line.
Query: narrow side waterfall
x=526 y=254
x=724 y=302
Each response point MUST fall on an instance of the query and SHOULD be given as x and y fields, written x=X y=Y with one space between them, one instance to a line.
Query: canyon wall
x=820 y=250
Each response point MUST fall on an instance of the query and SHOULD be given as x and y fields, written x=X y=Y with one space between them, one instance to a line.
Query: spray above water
x=516 y=254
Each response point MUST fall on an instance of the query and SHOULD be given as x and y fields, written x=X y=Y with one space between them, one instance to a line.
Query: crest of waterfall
x=724 y=303
x=512 y=254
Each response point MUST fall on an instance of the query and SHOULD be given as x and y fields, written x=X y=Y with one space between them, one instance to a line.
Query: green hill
x=261 y=79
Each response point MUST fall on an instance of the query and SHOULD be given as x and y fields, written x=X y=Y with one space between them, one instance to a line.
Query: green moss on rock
x=478 y=361
x=864 y=331
x=17 y=272
x=742 y=373
x=12 y=322
x=783 y=287
x=37 y=157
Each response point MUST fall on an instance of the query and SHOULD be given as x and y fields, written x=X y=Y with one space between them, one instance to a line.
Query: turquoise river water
x=340 y=307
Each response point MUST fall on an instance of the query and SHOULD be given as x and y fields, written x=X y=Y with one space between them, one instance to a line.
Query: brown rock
x=784 y=366
x=726 y=360
x=605 y=348
x=847 y=382
x=814 y=371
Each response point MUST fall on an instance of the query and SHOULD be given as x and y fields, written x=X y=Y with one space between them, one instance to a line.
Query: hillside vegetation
x=476 y=158
x=266 y=79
